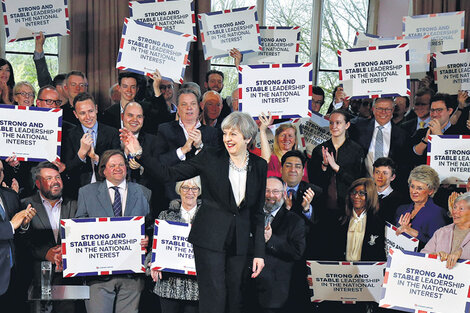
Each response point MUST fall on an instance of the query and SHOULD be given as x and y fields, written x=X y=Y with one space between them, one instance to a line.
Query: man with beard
x=43 y=232
x=284 y=235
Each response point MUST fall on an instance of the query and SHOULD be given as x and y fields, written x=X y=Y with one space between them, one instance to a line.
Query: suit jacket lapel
x=41 y=212
x=104 y=199
x=180 y=139
x=224 y=181
x=279 y=216
x=131 y=200
x=370 y=132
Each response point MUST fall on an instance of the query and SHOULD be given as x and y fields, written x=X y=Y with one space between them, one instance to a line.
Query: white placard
x=145 y=48
x=102 y=246
x=175 y=15
x=449 y=155
x=171 y=251
x=285 y=90
x=402 y=241
x=446 y=29
x=346 y=281
x=314 y=131
x=223 y=30
x=416 y=282
x=371 y=72
x=25 y=19
x=30 y=133
x=280 y=45
x=363 y=39
x=452 y=71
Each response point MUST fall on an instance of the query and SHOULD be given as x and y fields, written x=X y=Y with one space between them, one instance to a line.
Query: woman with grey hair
x=423 y=217
x=177 y=292
x=23 y=94
x=231 y=213
x=452 y=242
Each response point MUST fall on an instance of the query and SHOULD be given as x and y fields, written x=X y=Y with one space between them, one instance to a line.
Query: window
x=20 y=55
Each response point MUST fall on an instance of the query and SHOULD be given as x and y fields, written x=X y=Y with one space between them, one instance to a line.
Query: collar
x=387 y=191
x=446 y=127
x=296 y=187
x=121 y=186
x=386 y=126
x=94 y=128
x=191 y=212
x=198 y=124
x=45 y=200
x=360 y=217
x=426 y=120
x=273 y=213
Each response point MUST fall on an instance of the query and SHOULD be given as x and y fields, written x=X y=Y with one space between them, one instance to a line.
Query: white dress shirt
x=387 y=135
x=122 y=191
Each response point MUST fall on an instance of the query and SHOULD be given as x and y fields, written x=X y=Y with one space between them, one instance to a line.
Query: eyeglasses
x=51 y=102
x=25 y=94
x=439 y=110
x=388 y=110
x=275 y=192
x=82 y=85
x=361 y=193
x=165 y=87
x=187 y=189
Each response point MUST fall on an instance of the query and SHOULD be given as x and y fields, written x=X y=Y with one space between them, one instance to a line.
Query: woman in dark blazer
x=234 y=183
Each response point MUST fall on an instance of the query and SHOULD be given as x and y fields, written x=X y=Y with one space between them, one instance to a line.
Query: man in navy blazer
x=114 y=197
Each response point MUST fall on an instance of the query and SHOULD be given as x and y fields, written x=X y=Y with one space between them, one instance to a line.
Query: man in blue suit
x=114 y=197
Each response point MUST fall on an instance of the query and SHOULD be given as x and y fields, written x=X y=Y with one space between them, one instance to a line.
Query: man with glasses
x=318 y=98
x=379 y=137
x=441 y=111
x=284 y=235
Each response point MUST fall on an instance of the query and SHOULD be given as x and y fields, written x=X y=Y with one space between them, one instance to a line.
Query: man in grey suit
x=114 y=197
x=43 y=233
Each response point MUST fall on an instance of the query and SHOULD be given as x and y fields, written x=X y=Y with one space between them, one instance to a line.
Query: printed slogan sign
x=223 y=30
x=372 y=72
x=402 y=241
x=345 y=281
x=102 y=246
x=452 y=71
x=280 y=45
x=30 y=133
x=285 y=90
x=170 y=14
x=145 y=48
x=446 y=29
x=449 y=155
x=24 y=18
x=171 y=251
x=314 y=131
x=417 y=282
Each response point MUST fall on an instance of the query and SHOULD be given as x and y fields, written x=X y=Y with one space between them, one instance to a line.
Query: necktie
x=117 y=205
x=3 y=215
x=421 y=124
x=379 y=143
x=268 y=218
x=291 y=193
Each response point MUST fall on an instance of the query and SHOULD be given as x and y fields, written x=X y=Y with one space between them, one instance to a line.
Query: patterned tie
x=379 y=143
x=268 y=218
x=421 y=124
x=117 y=205
x=3 y=215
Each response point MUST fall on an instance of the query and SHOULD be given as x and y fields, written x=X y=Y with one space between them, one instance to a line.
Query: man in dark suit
x=128 y=87
x=389 y=198
x=419 y=116
x=441 y=111
x=285 y=243
x=43 y=232
x=75 y=83
x=183 y=139
x=11 y=218
x=379 y=137
x=86 y=143
x=114 y=197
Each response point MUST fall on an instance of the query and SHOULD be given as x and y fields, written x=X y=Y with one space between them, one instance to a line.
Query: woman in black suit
x=234 y=183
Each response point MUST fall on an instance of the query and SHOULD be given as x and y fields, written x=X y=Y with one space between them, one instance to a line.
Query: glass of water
x=46 y=276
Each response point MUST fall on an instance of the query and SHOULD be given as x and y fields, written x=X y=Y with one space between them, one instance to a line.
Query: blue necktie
x=117 y=205
x=379 y=143
x=3 y=215
x=291 y=193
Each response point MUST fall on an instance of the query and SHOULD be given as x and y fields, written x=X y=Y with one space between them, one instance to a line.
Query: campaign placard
x=420 y=51
x=145 y=48
x=447 y=30
x=175 y=15
x=285 y=90
x=31 y=133
x=102 y=246
x=449 y=155
x=223 y=30
x=314 y=131
x=401 y=242
x=345 y=281
x=280 y=45
x=417 y=282
x=171 y=251
x=363 y=39
x=452 y=71
x=25 y=19
x=376 y=71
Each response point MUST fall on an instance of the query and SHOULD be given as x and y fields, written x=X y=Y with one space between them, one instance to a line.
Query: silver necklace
x=245 y=165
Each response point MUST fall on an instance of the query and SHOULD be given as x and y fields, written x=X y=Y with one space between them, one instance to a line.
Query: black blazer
x=219 y=212
x=112 y=116
x=298 y=199
x=156 y=112
x=286 y=245
x=107 y=138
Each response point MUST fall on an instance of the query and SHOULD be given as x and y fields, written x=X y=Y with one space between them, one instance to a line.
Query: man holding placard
x=110 y=198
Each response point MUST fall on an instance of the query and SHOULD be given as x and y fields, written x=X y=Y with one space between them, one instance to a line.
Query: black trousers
x=220 y=277
x=178 y=306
